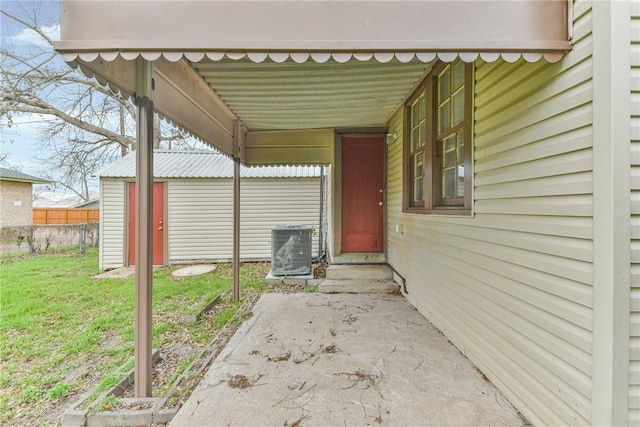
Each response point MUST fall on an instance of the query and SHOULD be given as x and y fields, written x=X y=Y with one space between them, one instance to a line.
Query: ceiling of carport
x=311 y=95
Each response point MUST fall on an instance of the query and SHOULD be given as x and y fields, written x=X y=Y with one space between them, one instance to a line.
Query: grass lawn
x=62 y=332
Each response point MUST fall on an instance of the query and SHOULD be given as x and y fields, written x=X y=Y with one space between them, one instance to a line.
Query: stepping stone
x=194 y=270
x=118 y=273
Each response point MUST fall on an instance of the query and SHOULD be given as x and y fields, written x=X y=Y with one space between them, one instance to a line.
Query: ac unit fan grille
x=291 y=250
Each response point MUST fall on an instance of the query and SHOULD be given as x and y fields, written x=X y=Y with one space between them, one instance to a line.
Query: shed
x=16 y=197
x=193 y=213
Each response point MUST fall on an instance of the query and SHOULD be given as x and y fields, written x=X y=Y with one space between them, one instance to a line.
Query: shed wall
x=634 y=350
x=266 y=203
x=201 y=216
x=512 y=286
x=112 y=223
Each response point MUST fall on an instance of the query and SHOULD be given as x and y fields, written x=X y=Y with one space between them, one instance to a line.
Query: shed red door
x=362 y=193
x=158 y=223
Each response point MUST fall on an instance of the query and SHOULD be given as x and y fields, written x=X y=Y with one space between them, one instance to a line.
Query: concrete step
x=331 y=286
x=359 y=272
x=359 y=258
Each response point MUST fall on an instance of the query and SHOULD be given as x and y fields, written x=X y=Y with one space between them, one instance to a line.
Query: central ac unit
x=291 y=250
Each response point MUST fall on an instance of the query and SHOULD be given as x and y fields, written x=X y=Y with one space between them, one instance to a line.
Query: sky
x=21 y=142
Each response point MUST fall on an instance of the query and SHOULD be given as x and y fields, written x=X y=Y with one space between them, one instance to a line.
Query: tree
x=86 y=125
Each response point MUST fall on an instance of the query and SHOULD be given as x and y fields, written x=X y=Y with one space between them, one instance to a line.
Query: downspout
x=404 y=281
x=321 y=224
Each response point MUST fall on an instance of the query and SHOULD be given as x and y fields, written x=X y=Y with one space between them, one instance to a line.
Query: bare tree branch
x=86 y=124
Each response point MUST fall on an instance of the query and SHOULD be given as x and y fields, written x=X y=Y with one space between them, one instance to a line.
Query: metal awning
x=232 y=72
x=190 y=26
x=284 y=65
x=317 y=57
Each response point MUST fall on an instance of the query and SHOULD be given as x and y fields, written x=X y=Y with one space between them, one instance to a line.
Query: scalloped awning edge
x=318 y=57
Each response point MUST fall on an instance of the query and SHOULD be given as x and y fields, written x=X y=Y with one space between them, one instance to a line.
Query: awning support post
x=236 y=212
x=144 y=229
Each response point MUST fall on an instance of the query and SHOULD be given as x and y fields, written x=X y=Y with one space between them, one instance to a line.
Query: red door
x=158 y=223
x=362 y=193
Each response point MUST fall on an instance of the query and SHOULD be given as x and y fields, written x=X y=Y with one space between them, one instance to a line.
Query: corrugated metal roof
x=290 y=95
x=11 y=175
x=296 y=90
x=202 y=164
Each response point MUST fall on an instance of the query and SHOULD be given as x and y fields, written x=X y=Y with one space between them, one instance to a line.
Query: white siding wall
x=201 y=215
x=200 y=218
x=269 y=202
x=634 y=356
x=112 y=220
x=512 y=286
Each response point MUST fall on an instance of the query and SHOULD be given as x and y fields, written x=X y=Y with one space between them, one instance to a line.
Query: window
x=437 y=162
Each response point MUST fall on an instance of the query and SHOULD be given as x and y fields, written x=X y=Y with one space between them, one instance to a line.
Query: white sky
x=21 y=141
x=28 y=37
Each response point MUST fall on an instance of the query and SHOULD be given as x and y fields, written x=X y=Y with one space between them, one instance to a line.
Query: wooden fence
x=65 y=216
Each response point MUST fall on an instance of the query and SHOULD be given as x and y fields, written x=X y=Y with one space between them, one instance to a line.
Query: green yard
x=62 y=332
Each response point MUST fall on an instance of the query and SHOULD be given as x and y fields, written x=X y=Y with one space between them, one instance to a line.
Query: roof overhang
x=223 y=69
x=315 y=26
x=25 y=181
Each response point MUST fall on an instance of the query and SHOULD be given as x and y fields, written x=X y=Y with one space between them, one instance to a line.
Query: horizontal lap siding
x=634 y=356
x=201 y=215
x=512 y=286
x=112 y=219
x=200 y=219
x=270 y=202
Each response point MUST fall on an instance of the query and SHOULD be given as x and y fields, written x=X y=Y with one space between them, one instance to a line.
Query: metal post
x=31 y=239
x=144 y=231
x=236 y=229
x=82 y=238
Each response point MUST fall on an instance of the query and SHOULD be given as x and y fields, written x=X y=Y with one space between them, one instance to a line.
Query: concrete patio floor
x=342 y=360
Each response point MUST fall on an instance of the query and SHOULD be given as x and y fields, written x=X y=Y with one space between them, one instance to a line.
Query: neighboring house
x=488 y=151
x=93 y=203
x=59 y=208
x=193 y=210
x=50 y=199
x=16 y=195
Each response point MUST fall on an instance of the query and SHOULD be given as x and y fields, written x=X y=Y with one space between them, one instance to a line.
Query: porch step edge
x=359 y=272
x=330 y=286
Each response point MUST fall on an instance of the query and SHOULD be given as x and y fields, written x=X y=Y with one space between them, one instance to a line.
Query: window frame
x=433 y=202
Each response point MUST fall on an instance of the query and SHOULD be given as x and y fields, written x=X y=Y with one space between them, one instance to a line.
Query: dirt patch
x=174 y=354
x=272 y=358
x=350 y=319
x=289 y=288
x=241 y=381
x=329 y=349
x=135 y=406
x=298 y=422
x=172 y=357
x=111 y=341
x=320 y=270
x=362 y=379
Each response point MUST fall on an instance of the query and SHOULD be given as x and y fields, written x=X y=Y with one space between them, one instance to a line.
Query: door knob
x=160 y=228
x=380 y=203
